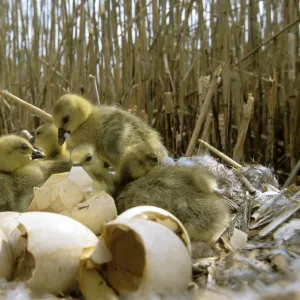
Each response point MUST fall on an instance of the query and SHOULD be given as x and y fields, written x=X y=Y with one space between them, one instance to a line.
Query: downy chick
x=19 y=174
x=15 y=152
x=86 y=157
x=186 y=192
x=111 y=130
x=137 y=161
x=46 y=138
x=35 y=152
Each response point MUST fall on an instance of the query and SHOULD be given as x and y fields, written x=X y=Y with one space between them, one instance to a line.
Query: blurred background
x=153 y=57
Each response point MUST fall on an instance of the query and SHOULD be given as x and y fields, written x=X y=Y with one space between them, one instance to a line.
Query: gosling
x=86 y=157
x=186 y=192
x=112 y=130
x=46 y=138
x=19 y=174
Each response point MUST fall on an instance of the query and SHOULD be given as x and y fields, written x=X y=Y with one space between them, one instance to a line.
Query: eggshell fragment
x=6 y=263
x=145 y=256
x=74 y=194
x=238 y=239
x=62 y=191
x=8 y=222
x=46 y=248
x=92 y=284
x=160 y=216
x=94 y=212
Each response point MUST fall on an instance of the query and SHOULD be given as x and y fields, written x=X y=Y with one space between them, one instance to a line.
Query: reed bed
x=159 y=59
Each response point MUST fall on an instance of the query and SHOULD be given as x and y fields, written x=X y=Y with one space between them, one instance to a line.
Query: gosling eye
x=24 y=147
x=89 y=158
x=154 y=158
x=65 y=120
x=38 y=132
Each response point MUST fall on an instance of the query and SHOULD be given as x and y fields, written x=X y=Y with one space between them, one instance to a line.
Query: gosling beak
x=32 y=140
x=61 y=136
x=76 y=165
x=37 y=154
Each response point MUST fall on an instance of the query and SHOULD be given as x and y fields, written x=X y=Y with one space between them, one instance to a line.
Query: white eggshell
x=6 y=263
x=8 y=222
x=146 y=256
x=94 y=212
x=161 y=216
x=62 y=191
x=47 y=248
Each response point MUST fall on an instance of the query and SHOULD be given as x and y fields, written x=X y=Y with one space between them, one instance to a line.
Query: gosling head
x=86 y=157
x=137 y=162
x=69 y=112
x=15 y=152
x=46 y=138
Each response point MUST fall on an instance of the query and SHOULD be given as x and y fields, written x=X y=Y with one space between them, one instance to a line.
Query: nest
x=262 y=261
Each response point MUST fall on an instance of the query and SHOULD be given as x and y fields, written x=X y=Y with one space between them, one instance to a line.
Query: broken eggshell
x=46 y=248
x=6 y=263
x=62 y=191
x=92 y=284
x=8 y=222
x=145 y=256
x=160 y=216
x=94 y=212
x=76 y=195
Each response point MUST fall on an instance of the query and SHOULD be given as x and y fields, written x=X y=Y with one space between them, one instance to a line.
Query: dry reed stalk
x=91 y=56
x=275 y=36
x=117 y=67
x=204 y=111
x=292 y=175
x=95 y=94
x=27 y=105
x=226 y=75
x=271 y=120
x=248 y=110
x=168 y=103
x=231 y=162
x=167 y=70
x=125 y=44
x=221 y=155
x=206 y=132
x=56 y=71
x=292 y=97
x=203 y=85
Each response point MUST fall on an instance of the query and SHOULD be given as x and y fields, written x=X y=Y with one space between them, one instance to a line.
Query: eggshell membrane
x=47 y=248
x=92 y=284
x=161 y=216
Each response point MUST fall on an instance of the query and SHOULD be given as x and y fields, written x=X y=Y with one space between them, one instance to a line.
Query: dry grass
x=143 y=53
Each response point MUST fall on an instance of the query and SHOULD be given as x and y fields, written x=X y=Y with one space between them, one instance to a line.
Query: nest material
x=268 y=267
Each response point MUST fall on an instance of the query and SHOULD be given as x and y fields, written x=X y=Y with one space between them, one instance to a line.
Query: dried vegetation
x=222 y=71
x=154 y=56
